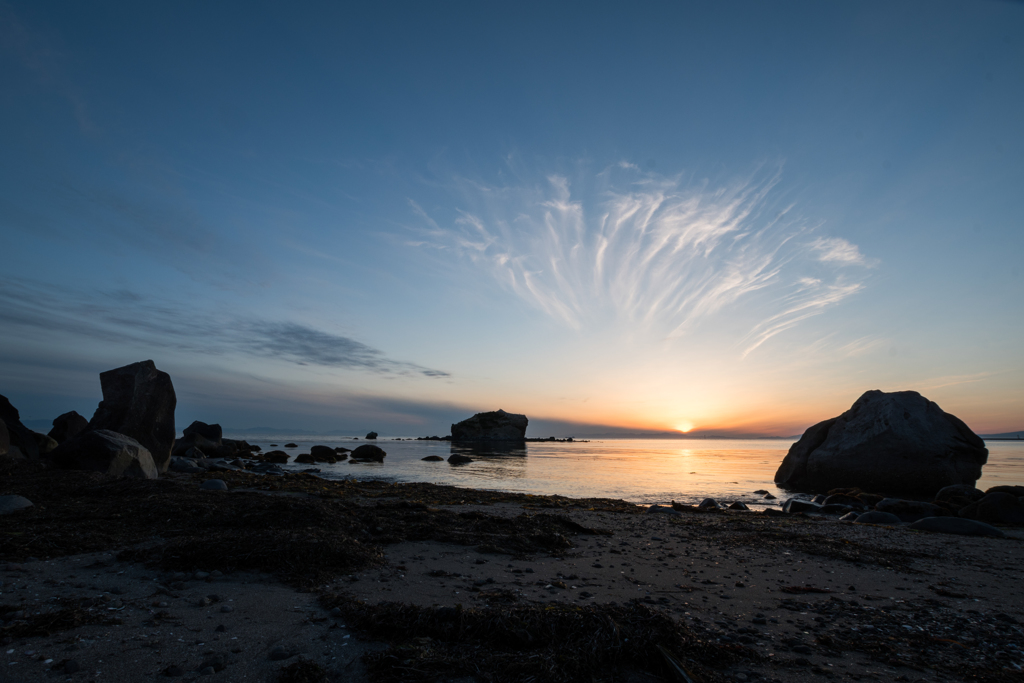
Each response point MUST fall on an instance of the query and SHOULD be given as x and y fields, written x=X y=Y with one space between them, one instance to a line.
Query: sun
x=684 y=427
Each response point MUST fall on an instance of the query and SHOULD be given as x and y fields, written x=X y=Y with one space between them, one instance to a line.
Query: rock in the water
x=457 y=459
x=18 y=435
x=876 y=517
x=305 y=458
x=900 y=443
x=996 y=508
x=371 y=435
x=323 y=454
x=212 y=432
x=909 y=510
x=957 y=525
x=102 y=450
x=368 y=452
x=959 y=492
x=67 y=425
x=279 y=457
x=799 y=505
x=494 y=426
x=214 y=485
x=433 y=458
x=139 y=401
x=9 y=504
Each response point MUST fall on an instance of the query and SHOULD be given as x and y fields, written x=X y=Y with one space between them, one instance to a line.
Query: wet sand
x=779 y=598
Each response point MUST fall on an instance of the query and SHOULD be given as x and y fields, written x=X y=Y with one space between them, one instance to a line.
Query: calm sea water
x=637 y=470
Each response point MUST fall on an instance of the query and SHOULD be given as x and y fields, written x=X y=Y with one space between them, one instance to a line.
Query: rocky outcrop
x=368 y=452
x=371 y=435
x=212 y=432
x=101 y=450
x=21 y=441
x=67 y=425
x=494 y=426
x=139 y=401
x=898 y=443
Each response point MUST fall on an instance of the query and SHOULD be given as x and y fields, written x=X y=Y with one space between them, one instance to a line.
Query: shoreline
x=362 y=552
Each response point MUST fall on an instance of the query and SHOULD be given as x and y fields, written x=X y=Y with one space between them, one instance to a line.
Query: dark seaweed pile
x=553 y=642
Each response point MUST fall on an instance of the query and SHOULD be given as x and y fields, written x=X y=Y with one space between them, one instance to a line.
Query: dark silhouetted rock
x=212 y=432
x=67 y=425
x=876 y=517
x=323 y=454
x=433 y=458
x=843 y=499
x=44 y=443
x=5 y=439
x=956 y=525
x=371 y=435
x=996 y=508
x=959 y=492
x=102 y=450
x=457 y=459
x=194 y=441
x=899 y=443
x=291 y=445
x=1016 y=491
x=738 y=506
x=13 y=503
x=909 y=510
x=798 y=505
x=139 y=401
x=708 y=504
x=493 y=426
x=214 y=485
x=19 y=436
x=305 y=458
x=368 y=452
x=279 y=457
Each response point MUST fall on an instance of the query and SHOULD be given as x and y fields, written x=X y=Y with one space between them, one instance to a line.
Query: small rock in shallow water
x=433 y=458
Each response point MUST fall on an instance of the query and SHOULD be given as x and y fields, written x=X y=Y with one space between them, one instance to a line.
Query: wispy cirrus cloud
x=656 y=251
x=124 y=317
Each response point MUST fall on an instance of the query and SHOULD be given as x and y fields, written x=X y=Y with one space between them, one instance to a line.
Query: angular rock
x=139 y=401
x=909 y=510
x=101 y=450
x=996 y=508
x=958 y=492
x=44 y=443
x=212 y=432
x=368 y=452
x=798 y=505
x=371 y=435
x=876 y=517
x=900 y=443
x=957 y=525
x=67 y=425
x=13 y=503
x=457 y=459
x=18 y=435
x=494 y=426
x=194 y=441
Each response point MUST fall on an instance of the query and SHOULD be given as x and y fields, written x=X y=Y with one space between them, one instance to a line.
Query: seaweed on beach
x=306 y=532
x=68 y=614
x=553 y=642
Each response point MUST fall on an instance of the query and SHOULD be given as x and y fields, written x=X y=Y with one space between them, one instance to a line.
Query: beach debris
x=556 y=641
x=957 y=525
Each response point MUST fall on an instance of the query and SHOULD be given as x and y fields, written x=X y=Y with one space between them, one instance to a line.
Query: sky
x=705 y=218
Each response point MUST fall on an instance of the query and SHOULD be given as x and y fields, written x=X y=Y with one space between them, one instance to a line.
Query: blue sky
x=730 y=216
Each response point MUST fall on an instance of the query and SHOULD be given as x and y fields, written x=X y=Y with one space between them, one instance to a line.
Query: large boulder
x=21 y=440
x=67 y=425
x=139 y=401
x=494 y=426
x=212 y=432
x=368 y=452
x=898 y=443
x=101 y=450
x=996 y=508
x=909 y=510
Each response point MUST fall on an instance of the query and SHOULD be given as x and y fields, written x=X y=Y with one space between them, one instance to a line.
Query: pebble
x=227 y=608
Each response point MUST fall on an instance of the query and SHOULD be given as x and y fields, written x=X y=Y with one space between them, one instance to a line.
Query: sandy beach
x=299 y=579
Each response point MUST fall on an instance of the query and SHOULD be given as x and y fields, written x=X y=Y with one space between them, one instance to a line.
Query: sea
x=642 y=471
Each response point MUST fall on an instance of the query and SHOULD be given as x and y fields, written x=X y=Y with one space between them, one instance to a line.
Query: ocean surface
x=637 y=470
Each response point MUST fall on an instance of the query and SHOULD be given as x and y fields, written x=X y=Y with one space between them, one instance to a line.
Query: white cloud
x=838 y=250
